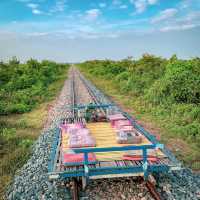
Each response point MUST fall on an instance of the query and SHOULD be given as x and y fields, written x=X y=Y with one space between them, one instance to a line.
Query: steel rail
x=151 y=188
x=74 y=190
x=73 y=94
x=91 y=93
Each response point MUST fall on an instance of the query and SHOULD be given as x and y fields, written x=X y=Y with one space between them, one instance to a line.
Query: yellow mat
x=105 y=136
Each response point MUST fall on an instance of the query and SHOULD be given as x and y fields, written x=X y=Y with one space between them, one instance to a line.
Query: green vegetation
x=23 y=86
x=164 y=93
x=26 y=92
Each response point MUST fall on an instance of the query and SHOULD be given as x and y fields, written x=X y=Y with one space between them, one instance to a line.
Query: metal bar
x=112 y=170
x=91 y=106
x=86 y=169
x=79 y=163
x=85 y=158
x=57 y=148
x=53 y=152
x=145 y=164
x=107 y=149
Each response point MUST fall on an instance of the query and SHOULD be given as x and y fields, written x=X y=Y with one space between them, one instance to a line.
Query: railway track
x=75 y=74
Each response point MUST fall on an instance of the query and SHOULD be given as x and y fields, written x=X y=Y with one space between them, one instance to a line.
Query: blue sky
x=76 y=30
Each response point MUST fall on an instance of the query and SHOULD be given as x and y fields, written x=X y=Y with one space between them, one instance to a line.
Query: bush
x=180 y=83
x=129 y=75
x=23 y=86
x=167 y=89
x=124 y=76
x=18 y=108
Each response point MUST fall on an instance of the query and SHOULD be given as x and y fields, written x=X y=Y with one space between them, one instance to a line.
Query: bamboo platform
x=105 y=137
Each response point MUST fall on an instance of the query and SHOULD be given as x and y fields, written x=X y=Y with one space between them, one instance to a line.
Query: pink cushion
x=116 y=117
x=78 y=132
x=126 y=128
x=63 y=126
x=81 y=141
x=73 y=128
x=81 y=138
x=120 y=123
x=66 y=128
x=83 y=132
x=76 y=125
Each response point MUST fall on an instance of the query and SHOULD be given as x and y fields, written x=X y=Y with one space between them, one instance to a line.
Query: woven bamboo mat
x=105 y=136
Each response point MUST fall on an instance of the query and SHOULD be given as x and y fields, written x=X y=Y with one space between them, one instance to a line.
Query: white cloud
x=116 y=2
x=123 y=6
x=141 y=5
x=193 y=16
x=92 y=14
x=24 y=1
x=185 y=3
x=191 y=20
x=76 y=26
x=102 y=5
x=34 y=8
x=152 y=2
x=36 y=12
x=32 y=5
x=38 y=34
x=165 y=15
x=178 y=27
x=59 y=6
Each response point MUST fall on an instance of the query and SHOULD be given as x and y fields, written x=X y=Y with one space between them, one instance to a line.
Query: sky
x=78 y=30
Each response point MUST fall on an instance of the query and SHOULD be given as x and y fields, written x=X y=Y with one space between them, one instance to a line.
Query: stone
x=123 y=196
x=140 y=195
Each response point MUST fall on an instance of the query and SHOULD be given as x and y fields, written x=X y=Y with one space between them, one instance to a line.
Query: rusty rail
x=152 y=189
x=150 y=185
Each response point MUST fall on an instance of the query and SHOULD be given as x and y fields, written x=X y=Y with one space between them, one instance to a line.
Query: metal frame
x=153 y=140
x=143 y=169
x=54 y=150
x=87 y=172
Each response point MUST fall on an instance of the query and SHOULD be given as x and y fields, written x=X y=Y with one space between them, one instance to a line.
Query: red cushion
x=76 y=158
x=139 y=158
